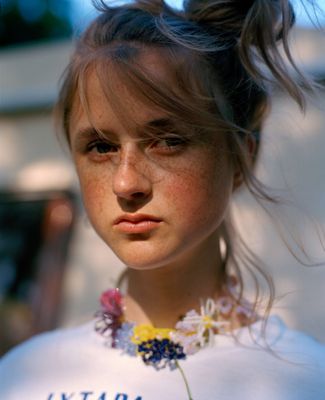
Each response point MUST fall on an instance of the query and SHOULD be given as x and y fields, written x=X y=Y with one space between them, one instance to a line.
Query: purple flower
x=110 y=317
x=111 y=300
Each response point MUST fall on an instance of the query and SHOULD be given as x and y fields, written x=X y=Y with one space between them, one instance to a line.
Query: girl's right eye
x=101 y=148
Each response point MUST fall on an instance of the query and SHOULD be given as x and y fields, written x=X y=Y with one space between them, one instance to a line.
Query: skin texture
x=185 y=185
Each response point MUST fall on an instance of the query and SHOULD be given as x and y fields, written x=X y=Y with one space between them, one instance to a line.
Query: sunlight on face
x=154 y=200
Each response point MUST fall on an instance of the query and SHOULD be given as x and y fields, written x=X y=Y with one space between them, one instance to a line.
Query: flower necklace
x=164 y=347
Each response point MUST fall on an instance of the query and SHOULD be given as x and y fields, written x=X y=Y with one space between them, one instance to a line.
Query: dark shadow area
x=35 y=233
x=23 y=22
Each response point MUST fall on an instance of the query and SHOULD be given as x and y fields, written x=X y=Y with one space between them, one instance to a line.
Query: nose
x=131 y=181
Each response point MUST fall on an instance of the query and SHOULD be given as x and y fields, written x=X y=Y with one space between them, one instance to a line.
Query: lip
x=136 y=223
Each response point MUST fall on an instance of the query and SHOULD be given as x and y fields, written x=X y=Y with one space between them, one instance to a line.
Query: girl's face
x=154 y=200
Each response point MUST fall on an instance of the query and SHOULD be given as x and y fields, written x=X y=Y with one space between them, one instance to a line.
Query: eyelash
x=173 y=145
x=96 y=144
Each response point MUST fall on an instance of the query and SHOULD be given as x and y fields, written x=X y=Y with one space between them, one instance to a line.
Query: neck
x=161 y=296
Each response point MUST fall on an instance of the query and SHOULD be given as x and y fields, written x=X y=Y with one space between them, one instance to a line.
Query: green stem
x=185 y=380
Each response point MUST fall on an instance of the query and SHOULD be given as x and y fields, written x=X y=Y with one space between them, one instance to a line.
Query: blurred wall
x=292 y=164
x=29 y=78
x=293 y=152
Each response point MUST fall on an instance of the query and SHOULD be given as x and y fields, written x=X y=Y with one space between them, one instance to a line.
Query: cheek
x=94 y=191
x=201 y=194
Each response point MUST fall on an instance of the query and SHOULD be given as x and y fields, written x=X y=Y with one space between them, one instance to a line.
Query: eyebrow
x=160 y=123
x=157 y=126
x=89 y=132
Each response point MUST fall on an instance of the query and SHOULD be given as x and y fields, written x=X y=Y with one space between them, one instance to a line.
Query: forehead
x=104 y=90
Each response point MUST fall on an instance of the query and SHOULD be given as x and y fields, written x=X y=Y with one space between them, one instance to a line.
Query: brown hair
x=224 y=55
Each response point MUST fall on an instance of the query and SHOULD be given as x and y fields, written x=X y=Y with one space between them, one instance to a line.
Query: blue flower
x=160 y=353
x=123 y=339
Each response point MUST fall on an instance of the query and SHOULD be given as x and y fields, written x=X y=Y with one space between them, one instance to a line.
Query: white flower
x=189 y=341
x=202 y=325
x=225 y=305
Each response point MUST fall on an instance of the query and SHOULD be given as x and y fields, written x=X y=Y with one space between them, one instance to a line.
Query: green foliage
x=18 y=26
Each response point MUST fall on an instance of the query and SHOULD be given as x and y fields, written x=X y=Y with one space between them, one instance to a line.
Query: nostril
x=138 y=195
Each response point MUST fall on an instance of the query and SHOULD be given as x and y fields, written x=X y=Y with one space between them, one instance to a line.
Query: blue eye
x=102 y=147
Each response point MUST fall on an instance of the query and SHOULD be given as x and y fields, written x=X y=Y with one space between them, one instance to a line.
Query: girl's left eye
x=170 y=143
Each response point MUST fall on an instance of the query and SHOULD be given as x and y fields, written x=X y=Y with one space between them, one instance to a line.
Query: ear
x=238 y=178
x=250 y=150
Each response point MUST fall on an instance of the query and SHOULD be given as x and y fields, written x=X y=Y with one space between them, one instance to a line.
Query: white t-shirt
x=75 y=364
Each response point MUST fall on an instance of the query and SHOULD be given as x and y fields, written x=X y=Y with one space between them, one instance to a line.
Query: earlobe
x=238 y=178
x=252 y=148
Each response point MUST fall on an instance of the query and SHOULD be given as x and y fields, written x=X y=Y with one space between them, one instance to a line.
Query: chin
x=138 y=252
x=143 y=263
x=142 y=258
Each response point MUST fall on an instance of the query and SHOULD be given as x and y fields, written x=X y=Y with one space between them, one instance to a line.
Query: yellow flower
x=207 y=321
x=145 y=332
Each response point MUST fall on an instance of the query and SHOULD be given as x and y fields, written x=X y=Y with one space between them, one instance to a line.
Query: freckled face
x=154 y=201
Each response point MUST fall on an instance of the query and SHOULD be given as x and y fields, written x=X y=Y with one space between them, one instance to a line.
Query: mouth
x=136 y=223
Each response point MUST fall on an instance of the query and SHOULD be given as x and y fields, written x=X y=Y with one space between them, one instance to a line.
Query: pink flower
x=111 y=300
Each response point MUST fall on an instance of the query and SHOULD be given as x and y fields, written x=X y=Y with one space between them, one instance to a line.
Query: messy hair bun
x=257 y=27
x=253 y=28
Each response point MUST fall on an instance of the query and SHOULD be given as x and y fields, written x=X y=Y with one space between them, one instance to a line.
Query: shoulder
x=302 y=360
x=299 y=345
x=58 y=337
x=57 y=364
x=273 y=363
x=288 y=344
x=293 y=359
x=45 y=349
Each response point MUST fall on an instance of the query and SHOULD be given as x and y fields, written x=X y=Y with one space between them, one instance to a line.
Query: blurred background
x=52 y=265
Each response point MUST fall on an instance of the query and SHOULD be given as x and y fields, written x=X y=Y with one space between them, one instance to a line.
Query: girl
x=162 y=110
